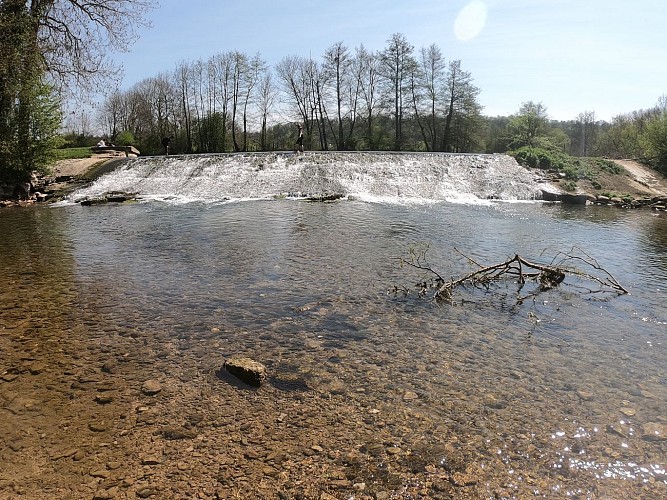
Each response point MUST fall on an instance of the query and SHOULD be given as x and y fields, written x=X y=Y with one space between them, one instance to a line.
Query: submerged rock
x=151 y=387
x=249 y=371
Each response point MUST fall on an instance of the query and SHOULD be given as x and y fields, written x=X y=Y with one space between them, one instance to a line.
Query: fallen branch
x=545 y=276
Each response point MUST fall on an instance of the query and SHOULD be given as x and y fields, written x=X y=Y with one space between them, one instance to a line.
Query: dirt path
x=80 y=166
x=649 y=179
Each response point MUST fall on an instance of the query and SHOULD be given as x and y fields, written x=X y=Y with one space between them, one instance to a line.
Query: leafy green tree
x=655 y=142
x=29 y=113
x=48 y=46
x=528 y=124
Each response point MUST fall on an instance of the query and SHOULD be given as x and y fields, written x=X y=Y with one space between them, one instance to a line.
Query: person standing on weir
x=299 y=140
x=166 y=142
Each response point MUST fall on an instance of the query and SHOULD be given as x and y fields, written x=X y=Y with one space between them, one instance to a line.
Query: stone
x=97 y=426
x=654 y=431
x=249 y=371
x=100 y=473
x=174 y=433
x=110 y=366
x=146 y=491
x=151 y=387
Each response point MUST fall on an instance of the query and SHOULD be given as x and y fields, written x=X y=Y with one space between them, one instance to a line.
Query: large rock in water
x=246 y=369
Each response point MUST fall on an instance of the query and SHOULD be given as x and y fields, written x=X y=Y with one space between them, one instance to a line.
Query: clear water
x=566 y=388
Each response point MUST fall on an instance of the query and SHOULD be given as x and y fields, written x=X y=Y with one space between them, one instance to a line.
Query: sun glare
x=470 y=21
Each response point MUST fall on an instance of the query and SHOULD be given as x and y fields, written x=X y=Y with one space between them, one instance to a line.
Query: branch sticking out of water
x=517 y=268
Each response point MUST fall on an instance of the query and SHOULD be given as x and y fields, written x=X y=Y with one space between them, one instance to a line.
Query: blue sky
x=607 y=56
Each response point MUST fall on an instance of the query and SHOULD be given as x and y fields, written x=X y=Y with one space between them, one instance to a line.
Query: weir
x=366 y=176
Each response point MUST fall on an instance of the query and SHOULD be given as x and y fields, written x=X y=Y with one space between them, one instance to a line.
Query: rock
x=151 y=387
x=173 y=432
x=146 y=491
x=37 y=368
x=97 y=426
x=410 y=395
x=654 y=431
x=249 y=371
x=110 y=366
x=585 y=395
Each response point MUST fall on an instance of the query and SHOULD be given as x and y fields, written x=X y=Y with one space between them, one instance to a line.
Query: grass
x=72 y=153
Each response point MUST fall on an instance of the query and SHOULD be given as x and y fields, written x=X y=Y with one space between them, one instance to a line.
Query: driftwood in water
x=545 y=276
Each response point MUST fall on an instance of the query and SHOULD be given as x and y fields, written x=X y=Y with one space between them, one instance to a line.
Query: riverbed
x=372 y=392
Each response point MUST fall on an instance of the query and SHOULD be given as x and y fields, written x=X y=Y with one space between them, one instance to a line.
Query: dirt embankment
x=648 y=181
x=637 y=181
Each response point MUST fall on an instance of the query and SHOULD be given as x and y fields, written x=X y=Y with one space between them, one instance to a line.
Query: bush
x=607 y=166
x=569 y=186
x=545 y=159
x=125 y=138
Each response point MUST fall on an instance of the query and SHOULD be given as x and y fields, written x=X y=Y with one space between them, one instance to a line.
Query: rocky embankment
x=65 y=177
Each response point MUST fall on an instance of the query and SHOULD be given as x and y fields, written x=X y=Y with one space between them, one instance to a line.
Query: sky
x=605 y=56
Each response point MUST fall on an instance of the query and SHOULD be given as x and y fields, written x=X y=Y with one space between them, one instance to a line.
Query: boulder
x=249 y=371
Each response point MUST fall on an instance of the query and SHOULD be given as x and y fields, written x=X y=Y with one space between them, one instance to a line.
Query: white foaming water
x=404 y=178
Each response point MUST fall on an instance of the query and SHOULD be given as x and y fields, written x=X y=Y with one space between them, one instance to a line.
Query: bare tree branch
x=517 y=268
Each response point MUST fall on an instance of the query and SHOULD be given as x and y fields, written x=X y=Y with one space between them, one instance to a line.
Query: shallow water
x=569 y=387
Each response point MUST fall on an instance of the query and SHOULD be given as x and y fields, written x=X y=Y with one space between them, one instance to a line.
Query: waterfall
x=374 y=177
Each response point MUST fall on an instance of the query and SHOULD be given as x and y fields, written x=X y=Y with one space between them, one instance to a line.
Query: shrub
x=540 y=158
x=125 y=138
x=569 y=186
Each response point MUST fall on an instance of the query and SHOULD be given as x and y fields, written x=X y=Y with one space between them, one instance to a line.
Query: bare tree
x=265 y=101
x=433 y=70
x=336 y=67
x=586 y=121
x=253 y=75
x=295 y=76
x=183 y=84
x=75 y=37
x=397 y=63
x=367 y=75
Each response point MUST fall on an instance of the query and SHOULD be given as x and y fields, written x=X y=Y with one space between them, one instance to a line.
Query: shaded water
x=565 y=393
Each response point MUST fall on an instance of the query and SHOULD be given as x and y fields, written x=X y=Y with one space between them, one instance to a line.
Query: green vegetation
x=569 y=186
x=626 y=197
x=72 y=153
x=573 y=169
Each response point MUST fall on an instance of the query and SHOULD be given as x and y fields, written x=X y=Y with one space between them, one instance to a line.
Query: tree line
x=397 y=98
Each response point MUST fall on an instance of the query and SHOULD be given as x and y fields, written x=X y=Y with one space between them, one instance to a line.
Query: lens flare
x=470 y=21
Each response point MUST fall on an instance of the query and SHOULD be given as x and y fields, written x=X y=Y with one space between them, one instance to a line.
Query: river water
x=568 y=386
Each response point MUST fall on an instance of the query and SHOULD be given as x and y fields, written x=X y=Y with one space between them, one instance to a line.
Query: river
x=561 y=394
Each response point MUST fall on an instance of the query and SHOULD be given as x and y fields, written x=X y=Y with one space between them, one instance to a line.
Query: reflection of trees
x=589 y=213
x=655 y=239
